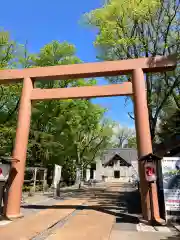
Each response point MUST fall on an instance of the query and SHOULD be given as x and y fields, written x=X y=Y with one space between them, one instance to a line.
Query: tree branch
x=129 y=114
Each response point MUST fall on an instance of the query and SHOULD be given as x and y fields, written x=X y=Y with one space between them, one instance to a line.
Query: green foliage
x=141 y=28
x=115 y=17
x=26 y=188
x=7 y=50
x=62 y=126
x=132 y=142
x=9 y=96
x=69 y=171
x=170 y=126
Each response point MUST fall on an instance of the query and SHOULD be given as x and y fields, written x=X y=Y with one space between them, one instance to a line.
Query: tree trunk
x=78 y=175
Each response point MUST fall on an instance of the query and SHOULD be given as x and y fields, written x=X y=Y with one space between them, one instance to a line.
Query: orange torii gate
x=136 y=67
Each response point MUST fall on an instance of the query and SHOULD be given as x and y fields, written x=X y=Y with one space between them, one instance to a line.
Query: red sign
x=150 y=172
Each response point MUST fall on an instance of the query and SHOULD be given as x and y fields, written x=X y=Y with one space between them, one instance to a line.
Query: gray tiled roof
x=128 y=154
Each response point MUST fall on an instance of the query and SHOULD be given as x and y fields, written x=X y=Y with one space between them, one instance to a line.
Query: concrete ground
x=107 y=212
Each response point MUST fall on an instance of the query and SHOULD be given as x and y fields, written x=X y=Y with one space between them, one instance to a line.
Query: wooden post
x=12 y=209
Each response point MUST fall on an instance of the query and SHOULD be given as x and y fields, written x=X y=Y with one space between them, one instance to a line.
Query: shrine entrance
x=136 y=87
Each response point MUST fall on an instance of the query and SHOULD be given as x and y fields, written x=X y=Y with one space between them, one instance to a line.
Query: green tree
x=45 y=132
x=170 y=126
x=68 y=130
x=7 y=50
x=132 y=29
x=132 y=142
x=122 y=135
x=9 y=95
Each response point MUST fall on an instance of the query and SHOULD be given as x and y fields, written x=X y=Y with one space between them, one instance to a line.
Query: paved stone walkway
x=98 y=214
x=94 y=221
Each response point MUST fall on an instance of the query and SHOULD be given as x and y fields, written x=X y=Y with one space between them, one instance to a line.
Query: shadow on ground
x=174 y=237
x=123 y=203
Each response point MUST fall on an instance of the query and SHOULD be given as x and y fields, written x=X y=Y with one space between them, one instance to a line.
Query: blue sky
x=39 y=22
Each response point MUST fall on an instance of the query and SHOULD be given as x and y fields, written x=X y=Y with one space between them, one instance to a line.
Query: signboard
x=57 y=175
x=150 y=171
x=171 y=187
x=4 y=171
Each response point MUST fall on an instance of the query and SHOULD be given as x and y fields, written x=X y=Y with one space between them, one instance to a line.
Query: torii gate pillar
x=12 y=209
x=144 y=143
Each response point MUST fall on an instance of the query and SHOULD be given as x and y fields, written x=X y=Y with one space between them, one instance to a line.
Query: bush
x=26 y=188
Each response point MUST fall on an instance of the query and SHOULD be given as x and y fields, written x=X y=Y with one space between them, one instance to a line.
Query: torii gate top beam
x=87 y=70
